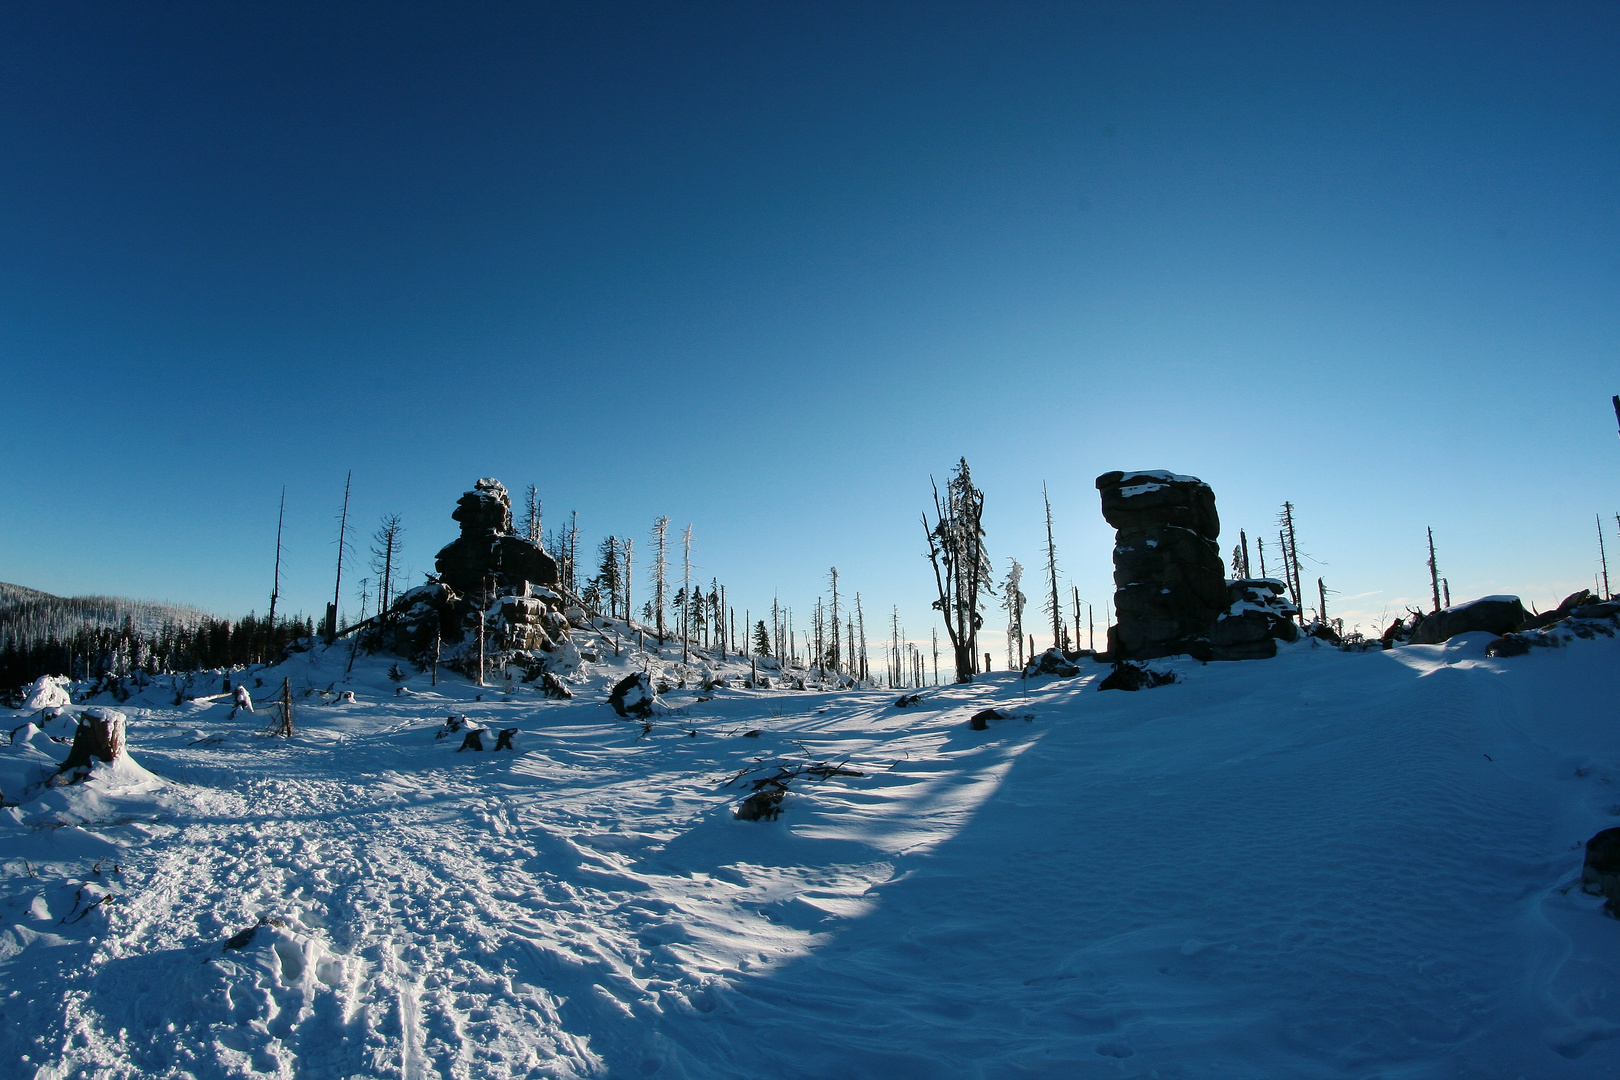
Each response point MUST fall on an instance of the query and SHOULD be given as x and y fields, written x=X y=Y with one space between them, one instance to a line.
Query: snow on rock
x=1495 y=614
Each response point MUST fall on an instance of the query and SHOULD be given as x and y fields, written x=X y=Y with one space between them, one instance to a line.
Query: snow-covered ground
x=1329 y=864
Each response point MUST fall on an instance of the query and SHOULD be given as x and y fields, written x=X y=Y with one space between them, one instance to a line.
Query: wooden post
x=480 y=646
x=1321 y=602
x=286 y=708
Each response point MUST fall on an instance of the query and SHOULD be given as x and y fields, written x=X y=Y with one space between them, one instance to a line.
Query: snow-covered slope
x=1324 y=865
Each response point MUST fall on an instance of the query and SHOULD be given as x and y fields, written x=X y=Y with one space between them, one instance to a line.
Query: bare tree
x=834 y=657
x=660 y=569
x=275 y=584
x=531 y=515
x=896 y=667
x=342 y=545
x=961 y=567
x=1052 y=606
x=686 y=587
x=1013 y=600
x=1602 y=556
x=1290 y=546
x=1434 y=571
x=385 y=548
x=860 y=620
x=629 y=572
x=573 y=553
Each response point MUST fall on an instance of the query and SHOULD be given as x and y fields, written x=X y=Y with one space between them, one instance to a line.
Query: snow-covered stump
x=99 y=737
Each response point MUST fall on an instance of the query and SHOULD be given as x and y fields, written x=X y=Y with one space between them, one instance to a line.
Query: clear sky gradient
x=764 y=268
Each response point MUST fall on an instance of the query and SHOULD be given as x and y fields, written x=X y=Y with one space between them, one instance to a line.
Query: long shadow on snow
x=1121 y=904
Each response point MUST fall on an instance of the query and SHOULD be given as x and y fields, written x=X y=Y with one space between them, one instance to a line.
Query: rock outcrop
x=1600 y=876
x=487 y=556
x=1259 y=616
x=1496 y=614
x=487 y=569
x=1170 y=582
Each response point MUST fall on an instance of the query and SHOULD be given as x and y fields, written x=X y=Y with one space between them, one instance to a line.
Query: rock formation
x=1260 y=613
x=487 y=555
x=1600 y=876
x=487 y=568
x=1170 y=583
x=1495 y=614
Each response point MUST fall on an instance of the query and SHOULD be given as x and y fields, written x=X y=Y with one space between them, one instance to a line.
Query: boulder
x=1052 y=662
x=1128 y=676
x=1494 y=614
x=1258 y=617
x=1508 y=645
x=980 y=721
x=1600 y=875
x=632 y=696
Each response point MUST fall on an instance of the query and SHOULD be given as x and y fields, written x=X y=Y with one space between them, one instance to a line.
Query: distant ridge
x=28 y=616
x=13 y=593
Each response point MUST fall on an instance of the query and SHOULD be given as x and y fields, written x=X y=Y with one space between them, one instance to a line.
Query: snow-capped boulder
x=1052 y=662
x=47 y=692
x=633 y=696
x=1495 y=614
x=1258 y=616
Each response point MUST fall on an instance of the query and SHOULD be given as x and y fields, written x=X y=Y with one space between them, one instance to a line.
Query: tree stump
x=99 y=737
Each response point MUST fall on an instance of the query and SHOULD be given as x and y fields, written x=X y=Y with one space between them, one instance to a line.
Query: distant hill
x=28 y=615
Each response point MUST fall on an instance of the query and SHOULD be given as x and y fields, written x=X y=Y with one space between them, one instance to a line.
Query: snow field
x=1323 y=865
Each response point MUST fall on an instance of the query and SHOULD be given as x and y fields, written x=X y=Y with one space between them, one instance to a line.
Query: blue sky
x=764 y=268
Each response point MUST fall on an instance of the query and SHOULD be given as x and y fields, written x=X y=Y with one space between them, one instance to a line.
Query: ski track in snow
x=1325 y=865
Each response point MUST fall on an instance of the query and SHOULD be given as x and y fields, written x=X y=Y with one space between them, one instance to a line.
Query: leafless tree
x=531 y=515
x=660 y=569
x=686 y=587
x=385 y=548
x=342 y=546
x=1013 y=600
x=1052 y=606
x=962 y=569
